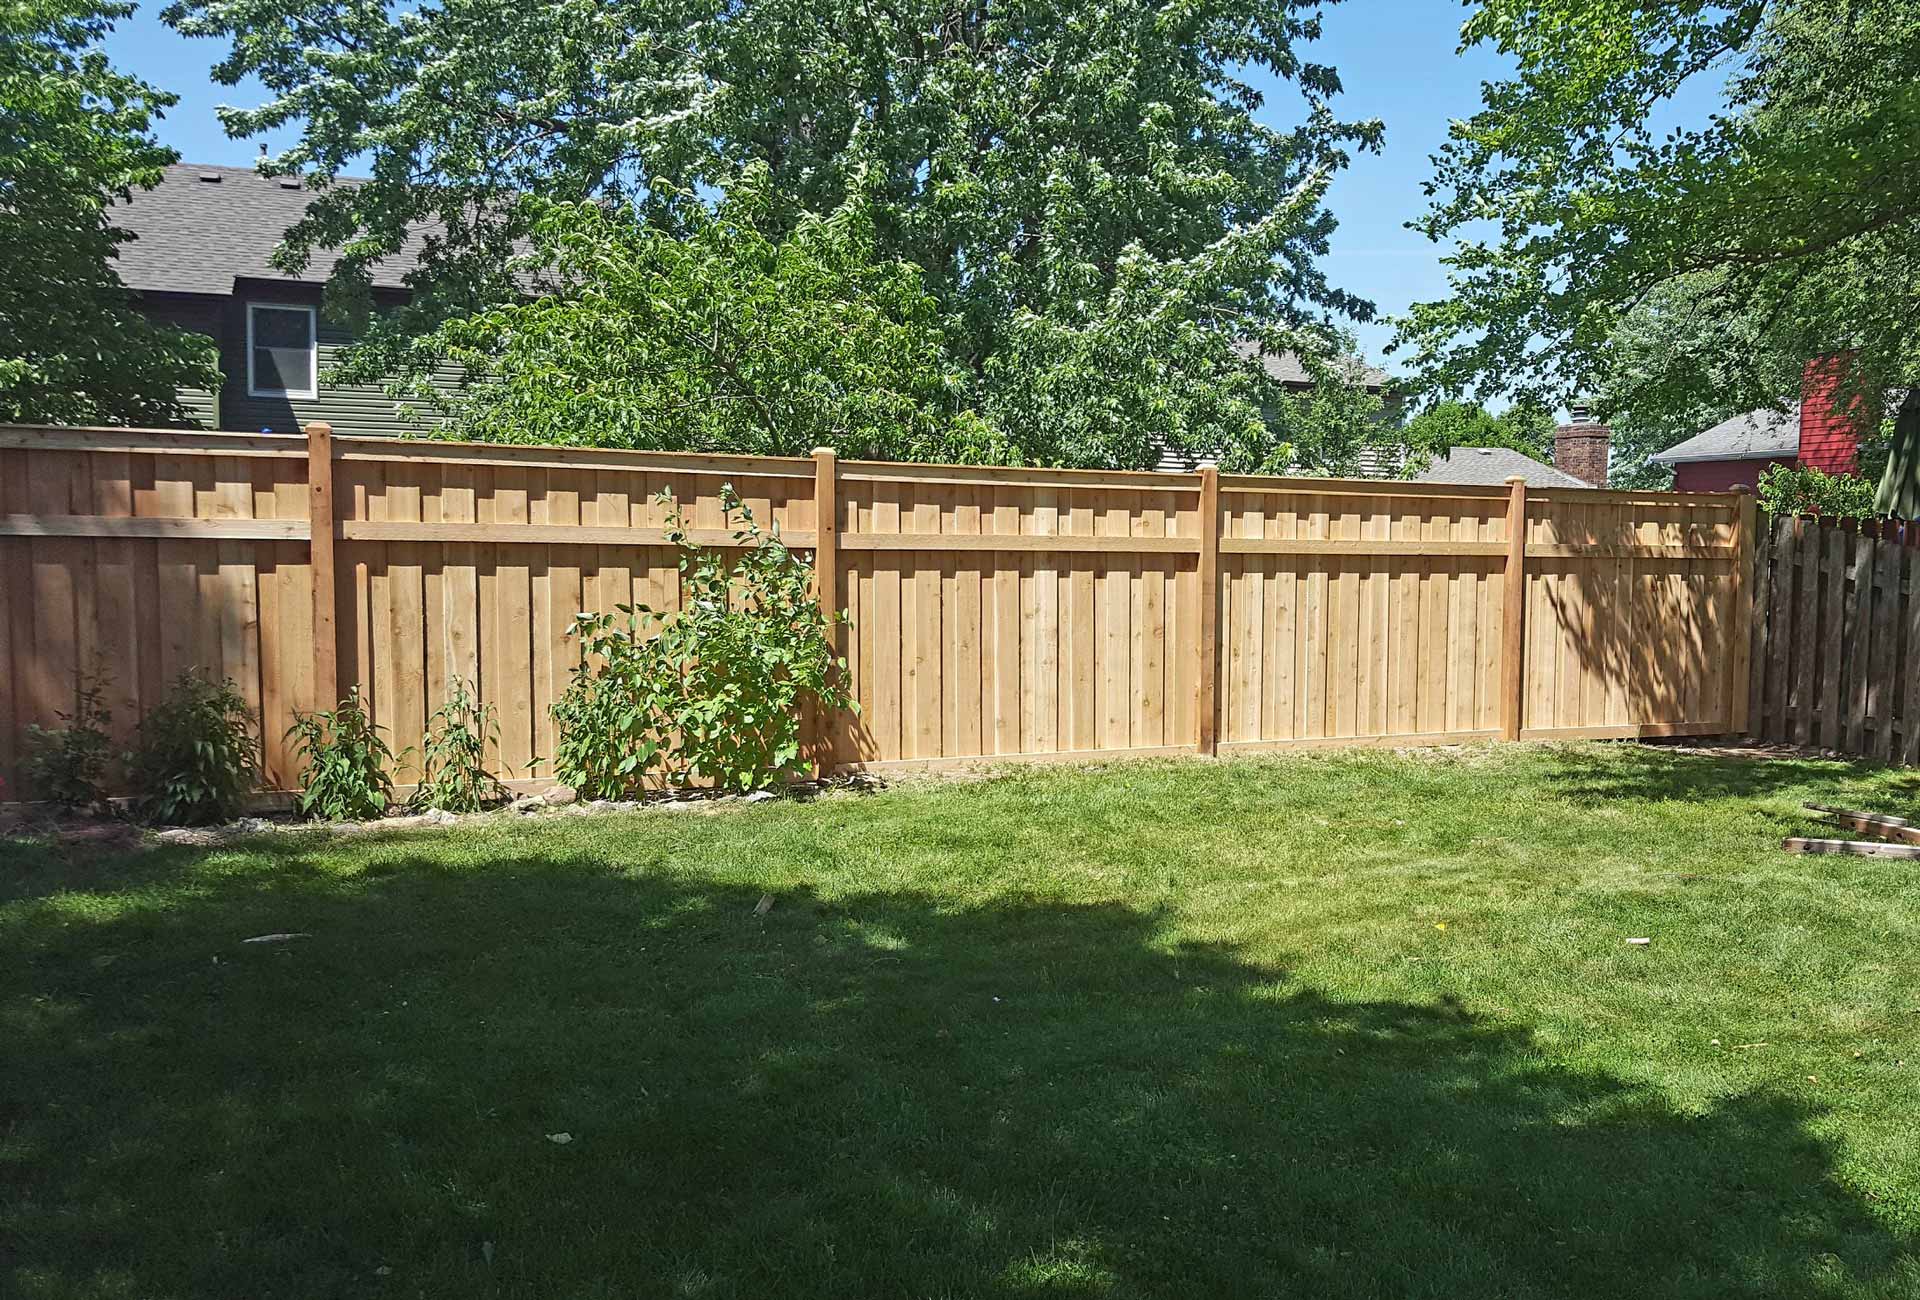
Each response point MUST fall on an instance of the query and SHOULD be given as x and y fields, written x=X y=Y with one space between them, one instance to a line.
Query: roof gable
x=1757 y=435
x=1286 y=368
x=1492 y=466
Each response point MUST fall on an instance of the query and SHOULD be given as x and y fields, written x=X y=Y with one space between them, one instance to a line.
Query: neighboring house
x=1580 y=452
x=199 y=260
x=1492 y=466
x=1581 y=449
x=1286 y=368
x=1814 y=432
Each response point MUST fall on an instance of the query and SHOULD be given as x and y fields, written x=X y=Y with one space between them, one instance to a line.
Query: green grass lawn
x=1356 y=1024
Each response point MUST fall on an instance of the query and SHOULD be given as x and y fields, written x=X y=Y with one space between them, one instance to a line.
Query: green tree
x=75 y=136
x=1036 y=161
x=1443 y=425
x=1687 y=273
x=719 y=339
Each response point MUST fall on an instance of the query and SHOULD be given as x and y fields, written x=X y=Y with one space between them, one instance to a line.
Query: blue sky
x=1396 y=57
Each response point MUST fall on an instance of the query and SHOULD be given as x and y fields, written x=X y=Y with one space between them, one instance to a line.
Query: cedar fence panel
x=1836 y=642
x=994 y=612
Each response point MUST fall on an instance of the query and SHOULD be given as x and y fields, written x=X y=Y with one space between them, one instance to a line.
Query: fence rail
x=1837 y=637
x=1017 y=613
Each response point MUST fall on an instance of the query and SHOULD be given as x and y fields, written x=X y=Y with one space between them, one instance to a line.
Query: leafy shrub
x=65 y=765
x=453 y=766
x=712 y=691
x=344 y=774
x=1804 y=490
x=196 y=758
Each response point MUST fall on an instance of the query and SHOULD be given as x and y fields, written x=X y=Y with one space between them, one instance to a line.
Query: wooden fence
x=1837 y=640
x=994 y=612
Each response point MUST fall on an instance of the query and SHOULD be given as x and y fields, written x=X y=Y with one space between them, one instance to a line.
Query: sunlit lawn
x=1338 y=1025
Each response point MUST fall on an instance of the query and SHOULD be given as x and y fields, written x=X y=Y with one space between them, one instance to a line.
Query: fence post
x=1207 y=709
x=326 y=645
x=1513 y=642
x=1739 y=685
x=826 y=581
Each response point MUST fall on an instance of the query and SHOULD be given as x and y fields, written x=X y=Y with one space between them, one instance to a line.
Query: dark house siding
x=352 y=409
x=203 y=316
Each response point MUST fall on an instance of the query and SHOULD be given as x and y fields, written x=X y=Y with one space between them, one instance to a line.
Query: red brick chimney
x=1581 y=446
x=1830 y=418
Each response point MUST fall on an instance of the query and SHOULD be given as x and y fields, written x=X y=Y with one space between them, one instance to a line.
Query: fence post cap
x=319 y=426
x=1517 y=478
x=824 y=451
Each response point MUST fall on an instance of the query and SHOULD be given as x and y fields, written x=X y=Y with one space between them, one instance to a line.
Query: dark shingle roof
x=203 y=227
x=1286 y=367
x=1757 y=435
x=1493 y=466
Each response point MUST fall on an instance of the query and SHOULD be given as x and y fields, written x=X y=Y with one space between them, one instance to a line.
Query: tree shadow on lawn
x=1635 y=770
x=887 y=1094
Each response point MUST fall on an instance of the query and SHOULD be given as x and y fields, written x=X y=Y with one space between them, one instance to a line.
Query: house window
x=282 y=351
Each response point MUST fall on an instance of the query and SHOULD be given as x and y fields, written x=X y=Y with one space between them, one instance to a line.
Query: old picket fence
x=995 y=612
x=1837 y=637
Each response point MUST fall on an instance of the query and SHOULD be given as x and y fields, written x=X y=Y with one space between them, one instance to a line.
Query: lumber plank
x=1851 y=848
x=1880 y=824
x=217 y=529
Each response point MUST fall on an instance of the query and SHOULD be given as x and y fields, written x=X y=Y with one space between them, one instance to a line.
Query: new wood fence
x=994 y=612
x=1837 y=639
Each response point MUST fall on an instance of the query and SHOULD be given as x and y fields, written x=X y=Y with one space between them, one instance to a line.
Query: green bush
x=453 y=765
x=196 y=757
x=65 y=765
x=1798 y=490
x=712 y=691
x=344 y=775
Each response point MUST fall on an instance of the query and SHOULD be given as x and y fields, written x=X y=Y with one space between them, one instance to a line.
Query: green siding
x=203 y=317
x=352 y=409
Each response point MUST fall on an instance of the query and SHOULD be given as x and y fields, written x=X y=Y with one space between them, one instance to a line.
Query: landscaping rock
x=198 y=836
x=761 y=796
x=558 y=795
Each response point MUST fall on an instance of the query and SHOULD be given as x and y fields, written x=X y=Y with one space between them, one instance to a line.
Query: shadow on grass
x=1636 y=770
x=876 y=1095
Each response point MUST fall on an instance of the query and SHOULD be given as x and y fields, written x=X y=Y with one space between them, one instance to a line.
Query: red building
x=1818 y=431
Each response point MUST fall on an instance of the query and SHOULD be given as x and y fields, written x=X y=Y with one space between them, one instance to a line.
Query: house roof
x=1287 y=368
x=204 y=227
x=1757 y=435
x=1493 y=466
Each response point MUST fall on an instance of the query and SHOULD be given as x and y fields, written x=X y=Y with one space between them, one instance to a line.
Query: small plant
x=453 y=764
x=711 y=691
x=196 y=758
x=65 y=765
x=344 y=777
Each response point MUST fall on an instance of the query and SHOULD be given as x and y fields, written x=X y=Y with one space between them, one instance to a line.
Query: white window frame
x=312 y=390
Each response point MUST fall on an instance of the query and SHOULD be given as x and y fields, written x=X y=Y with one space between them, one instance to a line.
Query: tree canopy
x=75 y=135
x=1083 y=191
x=718 y=339
x=1686 y=273
x=1447 y=424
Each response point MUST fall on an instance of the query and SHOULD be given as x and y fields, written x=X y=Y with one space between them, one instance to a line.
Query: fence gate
x=1836 y=657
